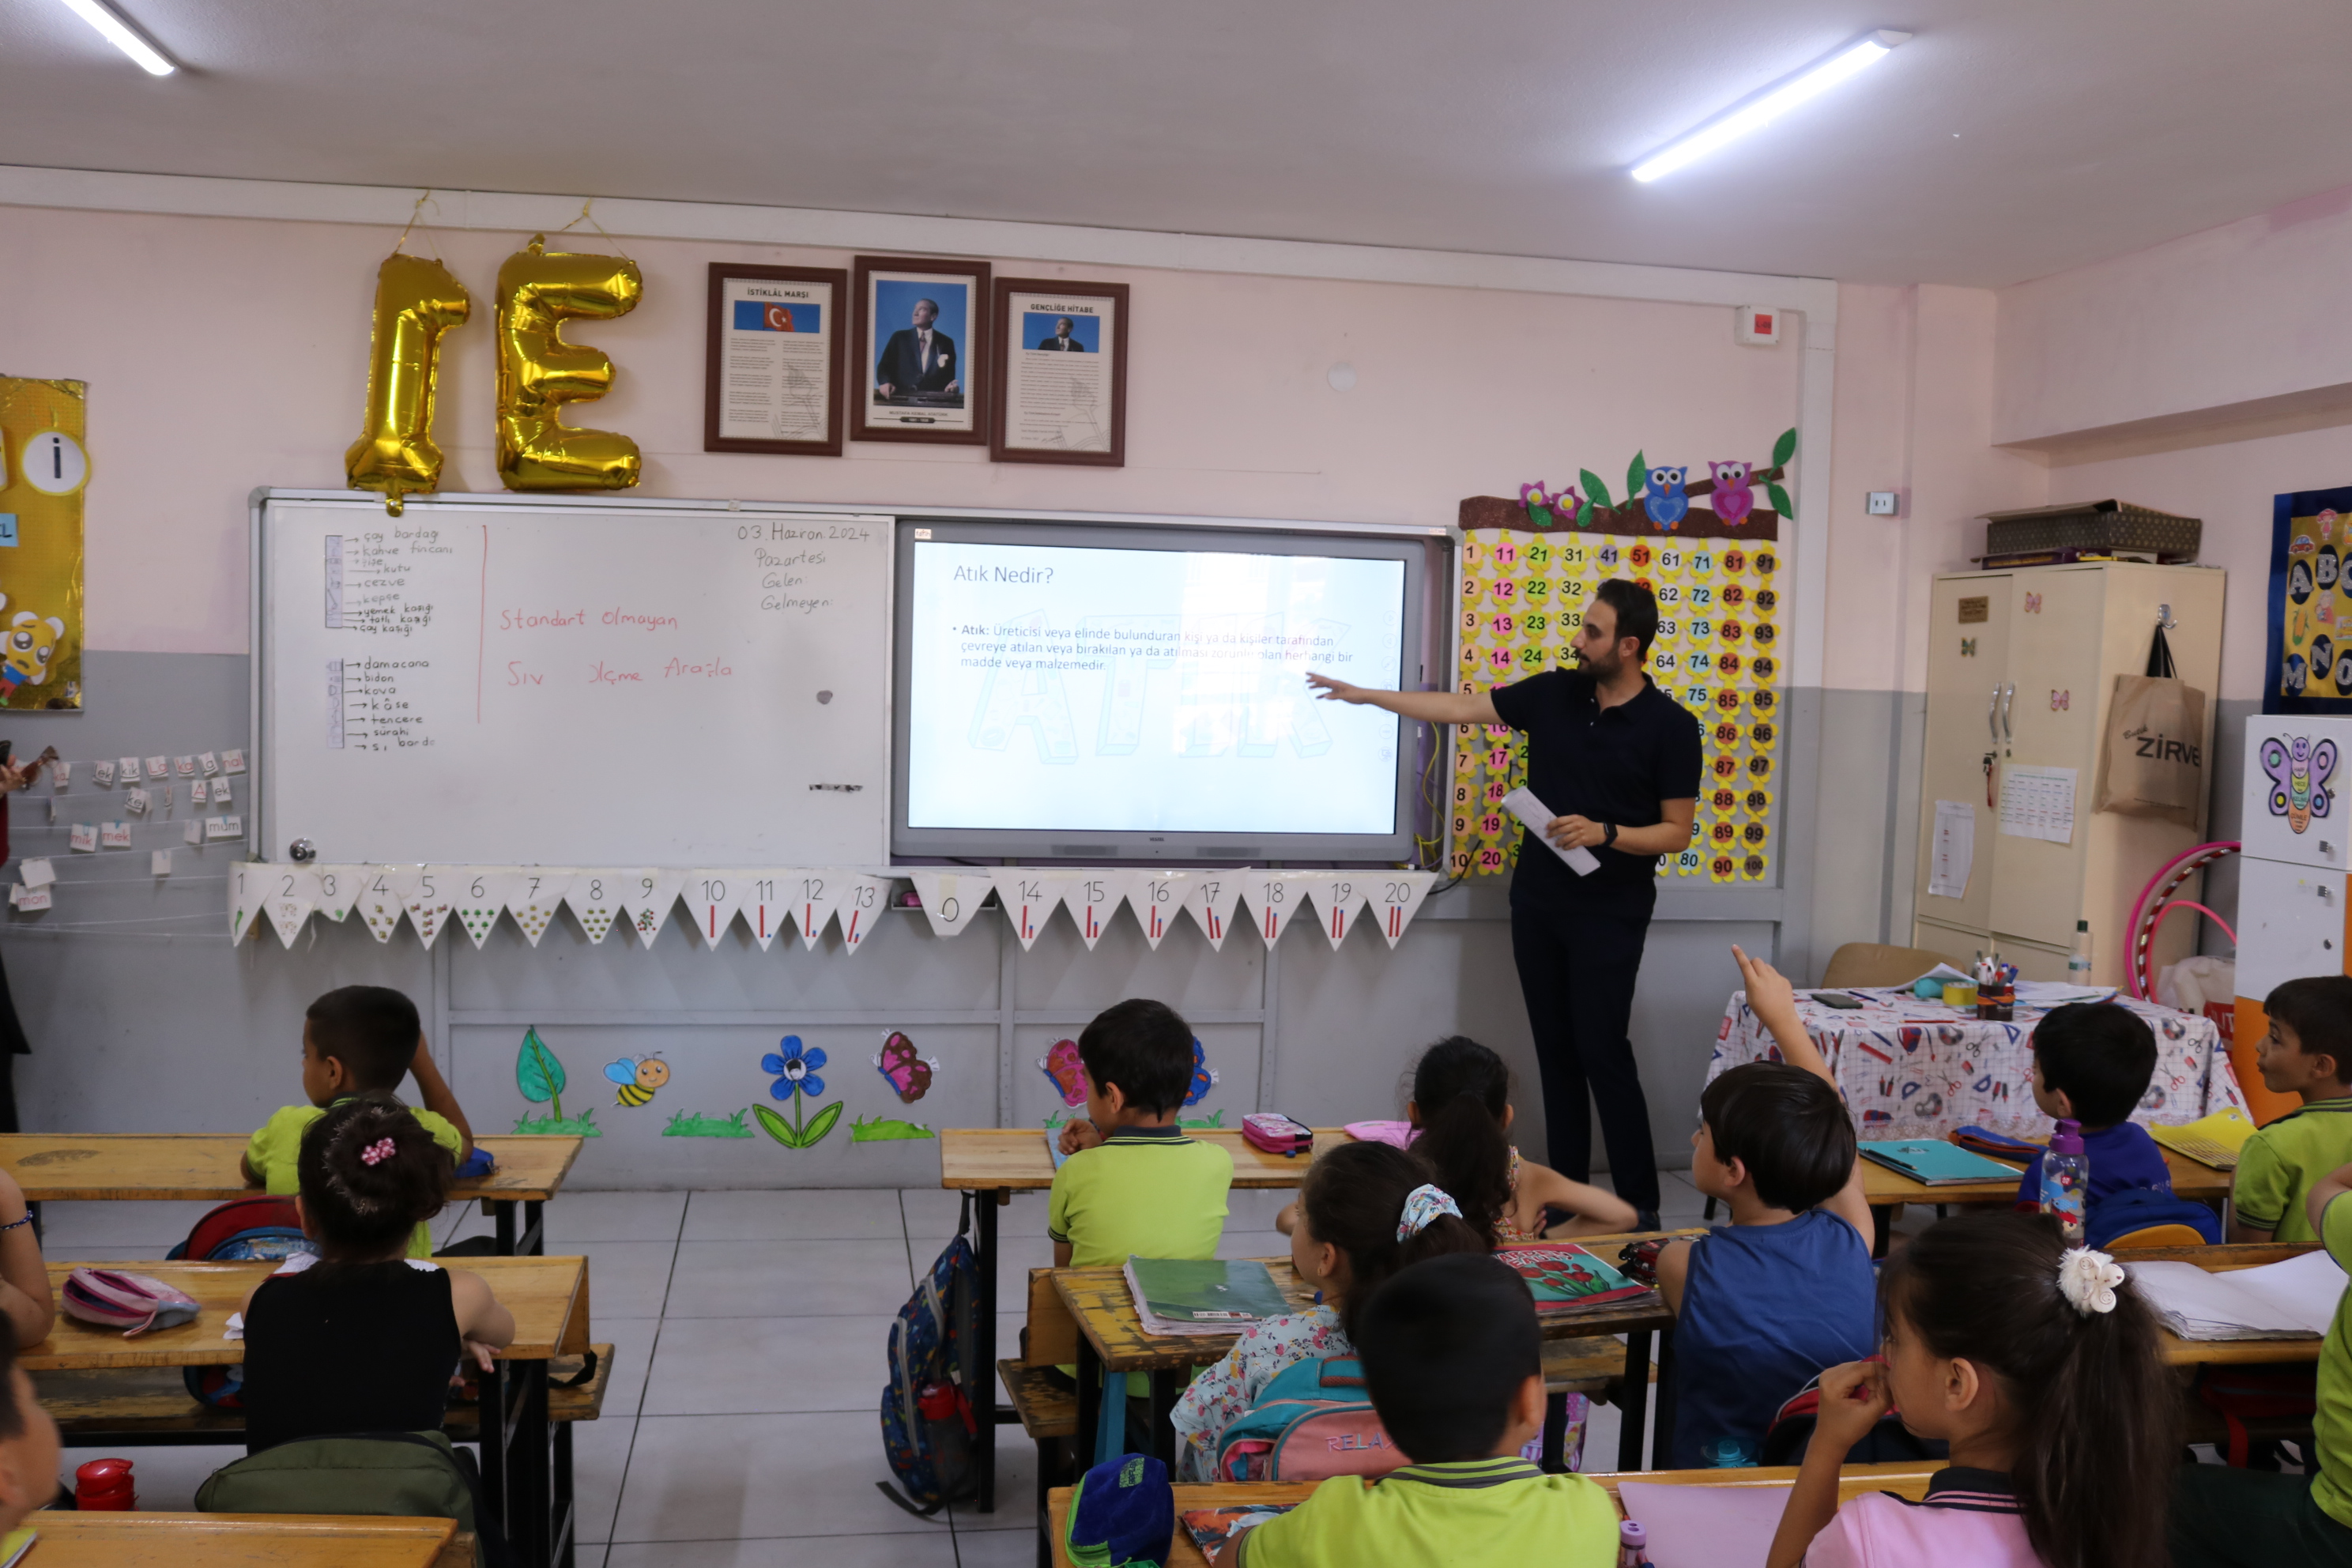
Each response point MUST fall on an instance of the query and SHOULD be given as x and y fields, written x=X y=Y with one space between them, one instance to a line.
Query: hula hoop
x=2156 y=900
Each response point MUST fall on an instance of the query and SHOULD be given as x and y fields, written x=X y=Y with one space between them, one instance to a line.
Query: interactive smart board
x=565 y=682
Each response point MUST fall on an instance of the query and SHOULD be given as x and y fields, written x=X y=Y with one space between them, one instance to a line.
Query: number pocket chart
x=485 y=680
x=1718 y=652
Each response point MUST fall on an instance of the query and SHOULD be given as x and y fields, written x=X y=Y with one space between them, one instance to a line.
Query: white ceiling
x=2012 y=138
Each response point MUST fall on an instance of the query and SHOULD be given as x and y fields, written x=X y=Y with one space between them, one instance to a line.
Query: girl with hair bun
x=2038 y=1364
x=360 y=1337
x=1365 y=1211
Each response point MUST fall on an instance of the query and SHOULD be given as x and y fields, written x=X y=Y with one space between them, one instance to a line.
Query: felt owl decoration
x=1733 y=497
x=1662 y=497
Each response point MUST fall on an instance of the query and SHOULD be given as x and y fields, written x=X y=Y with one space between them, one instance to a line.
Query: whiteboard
x=569 y=680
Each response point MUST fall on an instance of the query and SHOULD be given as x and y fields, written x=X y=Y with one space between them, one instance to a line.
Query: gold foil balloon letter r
x=416 y=300
x=539 y=289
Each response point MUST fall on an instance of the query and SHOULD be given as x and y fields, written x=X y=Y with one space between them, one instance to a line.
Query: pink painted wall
x=2251 y=310
x=227 y=353
x=1914 y=375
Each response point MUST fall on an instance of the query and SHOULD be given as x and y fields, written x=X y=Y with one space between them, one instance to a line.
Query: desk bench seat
x=1046 y=1410
x=154 y=1403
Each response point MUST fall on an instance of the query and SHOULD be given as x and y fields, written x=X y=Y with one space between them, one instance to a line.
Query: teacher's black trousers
x=1577 y=962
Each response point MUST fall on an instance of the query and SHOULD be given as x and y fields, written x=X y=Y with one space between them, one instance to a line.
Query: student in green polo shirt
x=357 y=1039
x=1134 y=1185
x=2307 y=1052
x=1453 y=1363
x=2264 y=1518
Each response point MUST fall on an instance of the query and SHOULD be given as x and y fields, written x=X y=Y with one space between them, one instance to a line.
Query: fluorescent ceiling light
x=119 y=33
x=1855 y=57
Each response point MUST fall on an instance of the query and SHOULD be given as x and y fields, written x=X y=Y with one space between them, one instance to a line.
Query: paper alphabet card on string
x=82 y=838
x=223 y=827
x=186 y=766
x=26 y=898
x=130 y=770
x=209 y=763
x=220 y=791
x=114 y=834
x=137 y=802
x=159 y=862
x=104 y=773
x=233 y=761
x=199 y=792
x=36 y=873
x=158 y=769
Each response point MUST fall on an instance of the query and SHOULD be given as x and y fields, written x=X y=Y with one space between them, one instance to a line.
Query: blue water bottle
x=2066 y=1180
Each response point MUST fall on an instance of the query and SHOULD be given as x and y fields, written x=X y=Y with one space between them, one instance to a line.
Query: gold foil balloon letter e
x=539 y=372
x=416 y=300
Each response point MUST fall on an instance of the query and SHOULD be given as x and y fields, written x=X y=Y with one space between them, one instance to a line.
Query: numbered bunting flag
x=289 y=913
x=1339 y=896
x=535 y=895
x=1087 y=894
x=424 y=892
x=863 y=899
x=379 y=900
x=1395 y=898
x=334 y=889
x=767 y=903
x=595 y=897
x=649 y=895
x=1211 y=899
x=814 y=891
x=951 y=898
x=481 y=897
x=1156 y=897
x=1273 y=897
x=247 y=888
x=1028 y=897
x=713 y=895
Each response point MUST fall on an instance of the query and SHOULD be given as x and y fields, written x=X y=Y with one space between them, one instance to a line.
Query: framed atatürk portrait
x=921 y=339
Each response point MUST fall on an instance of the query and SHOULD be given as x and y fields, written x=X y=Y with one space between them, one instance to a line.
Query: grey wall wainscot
x=144 y=1019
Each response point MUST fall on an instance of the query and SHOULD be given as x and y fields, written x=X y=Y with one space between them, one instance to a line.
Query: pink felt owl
x=1733 y=499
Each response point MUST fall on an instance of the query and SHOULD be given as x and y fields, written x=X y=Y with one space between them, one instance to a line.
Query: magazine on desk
x=1570 y=1282
x=1203 y=1295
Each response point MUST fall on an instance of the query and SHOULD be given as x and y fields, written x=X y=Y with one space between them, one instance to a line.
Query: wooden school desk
x=1112 y=1338
x=548 y=1298
x=1855 y=1480
x=234 y=1541
x=59 y=1167
x=1889 y=1190
x=995 y=1162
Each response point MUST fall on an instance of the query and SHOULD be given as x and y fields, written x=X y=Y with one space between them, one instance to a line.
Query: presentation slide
x=1150 y=690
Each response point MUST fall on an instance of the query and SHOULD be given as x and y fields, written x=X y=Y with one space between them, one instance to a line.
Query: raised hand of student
x=1769 y=991
x=1080 y=1133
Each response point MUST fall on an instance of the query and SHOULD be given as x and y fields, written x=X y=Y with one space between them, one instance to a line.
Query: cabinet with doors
x=2022 y=669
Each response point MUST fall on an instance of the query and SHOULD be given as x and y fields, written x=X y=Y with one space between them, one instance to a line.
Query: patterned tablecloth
x=1911 y=1068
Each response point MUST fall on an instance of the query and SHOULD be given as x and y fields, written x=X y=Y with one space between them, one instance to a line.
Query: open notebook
x=2291 y=1300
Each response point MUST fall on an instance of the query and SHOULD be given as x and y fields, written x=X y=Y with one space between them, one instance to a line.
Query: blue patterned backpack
x=931 y=1429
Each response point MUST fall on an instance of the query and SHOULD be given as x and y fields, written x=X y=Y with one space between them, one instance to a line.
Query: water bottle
x=1729 y=1454
x=2066 y=1179
x=103 y=1484
x=1633 y=1545
x=2078 y=962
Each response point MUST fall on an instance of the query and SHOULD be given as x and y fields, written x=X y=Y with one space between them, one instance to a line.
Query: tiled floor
x=750 y=1331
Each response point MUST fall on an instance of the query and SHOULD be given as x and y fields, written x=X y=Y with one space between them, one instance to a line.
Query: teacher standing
x=1620 y=762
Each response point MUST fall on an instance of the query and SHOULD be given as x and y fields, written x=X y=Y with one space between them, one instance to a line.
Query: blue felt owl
x=1663 y=498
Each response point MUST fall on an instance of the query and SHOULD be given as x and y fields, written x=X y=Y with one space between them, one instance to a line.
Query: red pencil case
x=1276 y=1134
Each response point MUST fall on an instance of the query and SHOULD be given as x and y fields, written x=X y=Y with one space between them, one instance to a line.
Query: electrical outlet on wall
x=1886 y=503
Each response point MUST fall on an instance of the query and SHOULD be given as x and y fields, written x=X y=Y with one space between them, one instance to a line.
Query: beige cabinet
x=2022 y=669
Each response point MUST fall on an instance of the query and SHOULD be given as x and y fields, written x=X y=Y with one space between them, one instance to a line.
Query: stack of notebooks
x=2291 y=1300
x=1570 y=1282
x=1211 y=1295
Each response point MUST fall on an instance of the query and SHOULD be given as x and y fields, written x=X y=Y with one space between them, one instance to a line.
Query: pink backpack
x=131 y=1302
x=1313 y=1421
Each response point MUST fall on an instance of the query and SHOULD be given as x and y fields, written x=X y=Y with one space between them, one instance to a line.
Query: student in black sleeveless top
x=362 y=1338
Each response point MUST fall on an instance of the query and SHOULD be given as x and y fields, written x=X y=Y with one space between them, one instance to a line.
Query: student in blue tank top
x=1763 y=1306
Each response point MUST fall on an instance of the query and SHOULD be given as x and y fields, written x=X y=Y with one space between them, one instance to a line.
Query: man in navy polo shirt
x=1620 y=760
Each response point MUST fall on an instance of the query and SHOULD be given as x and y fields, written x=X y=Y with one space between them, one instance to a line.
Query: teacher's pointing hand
x=1332 y=690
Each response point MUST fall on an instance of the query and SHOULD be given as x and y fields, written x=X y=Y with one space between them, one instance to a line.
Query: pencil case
x=1276 y=1134
x=1978 y=1141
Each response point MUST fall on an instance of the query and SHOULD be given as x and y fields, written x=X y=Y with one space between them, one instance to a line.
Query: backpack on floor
x=242 y=1230
x=406 y=1473
x=1312 y=1421
x=929 y=1428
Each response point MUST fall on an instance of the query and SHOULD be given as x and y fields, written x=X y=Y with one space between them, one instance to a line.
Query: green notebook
x=1203 y=1295
x=1934 y=1163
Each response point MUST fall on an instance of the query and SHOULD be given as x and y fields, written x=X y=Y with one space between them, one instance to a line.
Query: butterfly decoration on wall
x=1061 y=1067
x=1204 y=1076
x=905 y=1071
x=2299 y=774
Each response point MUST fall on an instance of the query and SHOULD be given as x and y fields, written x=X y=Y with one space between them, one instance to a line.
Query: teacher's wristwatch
x=1608 y=835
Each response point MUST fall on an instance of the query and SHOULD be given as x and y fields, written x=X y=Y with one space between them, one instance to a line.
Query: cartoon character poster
x=1712 y=556
x=2310 y=603
x=44 y=464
